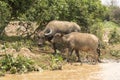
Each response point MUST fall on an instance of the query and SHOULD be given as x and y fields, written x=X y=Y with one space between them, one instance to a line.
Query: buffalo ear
x=62 y=35
x=57 y=35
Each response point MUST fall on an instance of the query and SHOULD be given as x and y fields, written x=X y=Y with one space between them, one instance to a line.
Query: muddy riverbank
x=108 y=70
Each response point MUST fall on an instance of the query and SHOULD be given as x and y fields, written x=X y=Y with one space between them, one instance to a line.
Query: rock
x=26 y=52
x=18 y=28
x=38 y=68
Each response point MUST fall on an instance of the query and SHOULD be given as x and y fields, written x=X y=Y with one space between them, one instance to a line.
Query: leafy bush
x=97 y=29
x=5 y=15
x=20 y=64
x=114 y=14
x=18 y=6
x=114 y=36
x=115 y=53
x=84 y=12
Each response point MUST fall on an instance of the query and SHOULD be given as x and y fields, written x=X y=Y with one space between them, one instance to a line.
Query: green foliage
x=84 y=12
x=50 y=61
x=97 y=29
x=5 y=15
x=114 y=36
x=20 y=64
x=56 y=62
x=17 y=44
x=19 y=6
x=115 y=15
x=115 y=53
x=110 y=25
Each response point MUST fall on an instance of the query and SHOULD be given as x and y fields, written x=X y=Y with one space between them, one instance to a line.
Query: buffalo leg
x=96 y=56
x=54 y=47
x=98 y=51
x=77 y=54
x=70 y=51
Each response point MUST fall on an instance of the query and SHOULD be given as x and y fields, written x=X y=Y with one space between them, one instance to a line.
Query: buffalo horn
x=46 y=34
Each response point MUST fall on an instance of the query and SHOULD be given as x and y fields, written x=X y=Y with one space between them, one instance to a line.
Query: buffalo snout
x=40 y=44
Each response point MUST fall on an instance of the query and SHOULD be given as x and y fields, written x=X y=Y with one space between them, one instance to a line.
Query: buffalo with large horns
x=54 y=27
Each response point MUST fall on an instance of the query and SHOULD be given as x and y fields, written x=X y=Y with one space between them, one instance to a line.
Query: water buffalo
x=79 y=41
x=54 y=27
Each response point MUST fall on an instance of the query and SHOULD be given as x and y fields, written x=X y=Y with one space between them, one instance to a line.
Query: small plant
x=17 y=45
x=20 y=64
x=56 y=62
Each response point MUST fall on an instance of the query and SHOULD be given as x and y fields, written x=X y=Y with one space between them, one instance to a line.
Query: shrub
x=5 y=15
x=115 y=15
x=114 y=36
x=115 y=53
x=20 y=64
x=97 y=29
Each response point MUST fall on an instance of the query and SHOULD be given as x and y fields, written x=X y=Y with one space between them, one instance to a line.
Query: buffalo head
x=58 y=37
x=42 y=36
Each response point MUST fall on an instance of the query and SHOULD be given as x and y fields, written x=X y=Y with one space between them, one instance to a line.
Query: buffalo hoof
x=78 y=60
x=100 y=61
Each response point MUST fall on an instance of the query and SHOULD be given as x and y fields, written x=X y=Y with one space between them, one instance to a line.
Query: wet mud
x=108 y=70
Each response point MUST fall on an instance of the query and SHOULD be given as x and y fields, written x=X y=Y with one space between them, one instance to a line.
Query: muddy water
x=103 y=71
